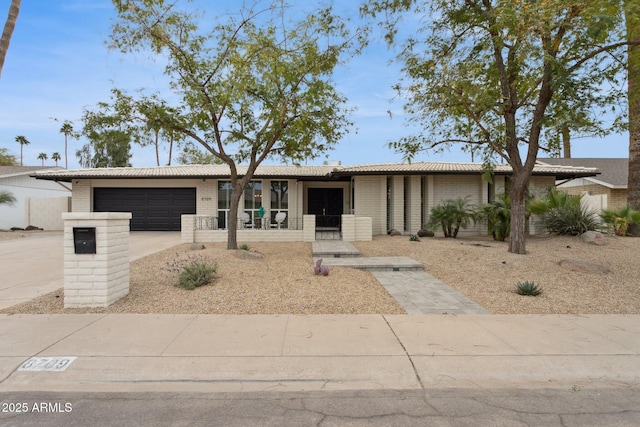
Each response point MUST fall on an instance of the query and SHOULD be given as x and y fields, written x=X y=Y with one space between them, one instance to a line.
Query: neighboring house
x=610 y=185
x=38 y=203
x=390 y=196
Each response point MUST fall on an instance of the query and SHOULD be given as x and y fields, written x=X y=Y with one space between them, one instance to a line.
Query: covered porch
x=203 y=228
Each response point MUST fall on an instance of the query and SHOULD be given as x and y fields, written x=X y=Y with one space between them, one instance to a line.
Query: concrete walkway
x=404 y=278
x=215 y=353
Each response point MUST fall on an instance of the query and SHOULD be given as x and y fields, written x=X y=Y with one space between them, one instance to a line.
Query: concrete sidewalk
x=214 y=353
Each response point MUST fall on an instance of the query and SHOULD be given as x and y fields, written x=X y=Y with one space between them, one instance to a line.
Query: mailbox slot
x=84 y=240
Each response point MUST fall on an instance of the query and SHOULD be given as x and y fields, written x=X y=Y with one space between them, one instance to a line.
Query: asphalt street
x=458 y=407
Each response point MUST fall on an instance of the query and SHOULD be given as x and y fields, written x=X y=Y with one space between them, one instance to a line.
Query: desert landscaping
x=282 y=281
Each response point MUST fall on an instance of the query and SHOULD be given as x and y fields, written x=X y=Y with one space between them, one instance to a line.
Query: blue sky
x=58 y=64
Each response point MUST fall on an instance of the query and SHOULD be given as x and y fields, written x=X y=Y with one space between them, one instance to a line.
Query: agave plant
x=619 y=219
x=528 y=288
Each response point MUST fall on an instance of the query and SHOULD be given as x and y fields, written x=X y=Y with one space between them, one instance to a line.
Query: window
x=423 y=200
x=224 y=199
x=407 y=204
x=280 y=200
x=253 y=200
x=389 y=203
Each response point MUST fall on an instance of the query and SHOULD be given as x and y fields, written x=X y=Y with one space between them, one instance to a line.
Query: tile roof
x=454 y=168
x=325 y=171
x=614 y=172
x=20 y=170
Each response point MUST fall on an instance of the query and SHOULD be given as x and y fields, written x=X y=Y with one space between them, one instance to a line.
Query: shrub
x=620 y=219
x=196 y=274
x=528 y=288
x=414 y=238
x=450 y=215
x=244 y=247
x=561 y=213
x=498 y=217
x=192 y=271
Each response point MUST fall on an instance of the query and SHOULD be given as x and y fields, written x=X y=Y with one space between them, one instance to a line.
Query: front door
x=326 y=204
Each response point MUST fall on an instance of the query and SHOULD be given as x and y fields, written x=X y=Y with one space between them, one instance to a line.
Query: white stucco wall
x=23 y=187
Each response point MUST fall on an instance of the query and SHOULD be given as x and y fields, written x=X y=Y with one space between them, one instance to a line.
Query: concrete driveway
x=34 y=265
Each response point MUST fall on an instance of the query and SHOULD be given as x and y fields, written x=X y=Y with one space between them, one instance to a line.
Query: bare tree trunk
x=157 y=151
x=518 y=195
x=170 y=150
x=7 y=32
x=633 y=33
x=234 y=203
x=566 y=142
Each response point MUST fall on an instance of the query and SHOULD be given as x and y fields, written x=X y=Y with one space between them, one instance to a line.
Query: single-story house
x=372 y=198
x=38 y=203
x=610 y=185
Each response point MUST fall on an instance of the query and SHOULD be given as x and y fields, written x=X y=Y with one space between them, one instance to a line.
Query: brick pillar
x=308 y=228
x=96 y=279
x=349 y=228
x=188 y=228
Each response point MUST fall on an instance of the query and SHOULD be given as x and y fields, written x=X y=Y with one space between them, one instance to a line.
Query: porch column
x=397 y=199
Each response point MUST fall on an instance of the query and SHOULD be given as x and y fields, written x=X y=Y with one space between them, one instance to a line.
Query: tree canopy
x=497 y=74
x=253 y=87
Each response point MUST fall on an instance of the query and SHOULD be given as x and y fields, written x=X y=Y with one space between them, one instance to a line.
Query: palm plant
x=562 y=213
x=55 y=157
x=22 y=140
x=7 y=198
x=498 y=216
x=43 y=157
x=67 y=130
x=451 y=215
x=620 y=219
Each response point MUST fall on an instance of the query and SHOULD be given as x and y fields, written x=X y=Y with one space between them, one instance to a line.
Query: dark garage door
x=153 y=209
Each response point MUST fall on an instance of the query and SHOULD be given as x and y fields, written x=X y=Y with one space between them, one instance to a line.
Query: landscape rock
x=32 y=228
x=394 y=232
x=242 y=254
x=594 y=238
x=584 y=267
x=425 y=233
x=633 y=230
x=197 y=246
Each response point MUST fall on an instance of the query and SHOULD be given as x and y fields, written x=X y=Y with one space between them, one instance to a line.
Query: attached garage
x=153 y=209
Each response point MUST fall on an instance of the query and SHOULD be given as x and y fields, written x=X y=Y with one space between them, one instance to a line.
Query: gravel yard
x=283 y=281
x=484 y=271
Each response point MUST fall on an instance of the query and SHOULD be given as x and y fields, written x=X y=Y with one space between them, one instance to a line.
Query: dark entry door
x=327 y=205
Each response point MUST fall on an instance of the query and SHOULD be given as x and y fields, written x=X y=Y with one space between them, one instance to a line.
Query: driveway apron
x=33 y=266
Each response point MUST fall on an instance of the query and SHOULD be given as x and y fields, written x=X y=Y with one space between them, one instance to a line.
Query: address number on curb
x=54 y=364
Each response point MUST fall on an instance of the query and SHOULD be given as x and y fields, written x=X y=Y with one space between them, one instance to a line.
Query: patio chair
x=280 y=217
x=245 y=219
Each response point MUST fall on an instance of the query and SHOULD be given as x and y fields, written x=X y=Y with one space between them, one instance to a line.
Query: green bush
x=198 y=273
x=619 y=219
x=414 y=238
x=528 y=288
x=561 y=213
x=450 y=216
x=498 y=217
x=244 y=247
